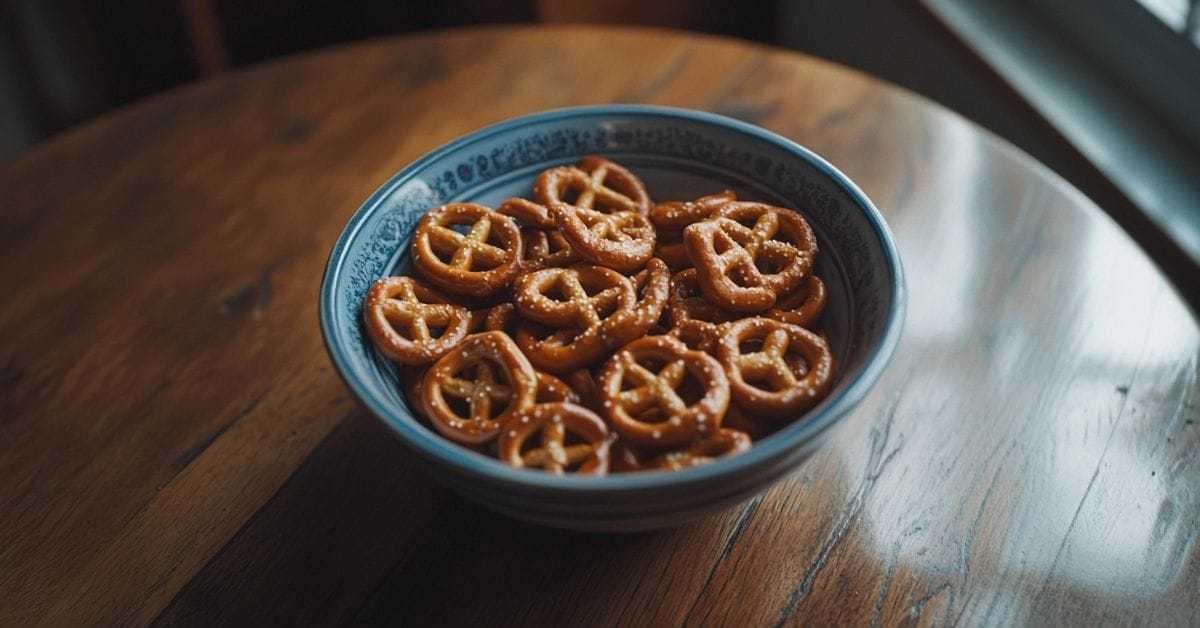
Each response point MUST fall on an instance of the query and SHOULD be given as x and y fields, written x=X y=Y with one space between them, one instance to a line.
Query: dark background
x=63 y=62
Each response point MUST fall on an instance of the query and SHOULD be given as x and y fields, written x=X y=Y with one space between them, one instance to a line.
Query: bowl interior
x=680 y=155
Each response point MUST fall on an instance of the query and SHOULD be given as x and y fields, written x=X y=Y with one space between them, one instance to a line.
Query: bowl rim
x=436 y=449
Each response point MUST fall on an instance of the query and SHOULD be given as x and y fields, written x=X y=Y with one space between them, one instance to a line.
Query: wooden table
x=175 y=447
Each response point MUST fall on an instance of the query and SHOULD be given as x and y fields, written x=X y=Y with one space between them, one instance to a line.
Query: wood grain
x=176 y=449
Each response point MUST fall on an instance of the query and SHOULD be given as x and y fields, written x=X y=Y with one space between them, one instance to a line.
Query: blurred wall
x=64 y=61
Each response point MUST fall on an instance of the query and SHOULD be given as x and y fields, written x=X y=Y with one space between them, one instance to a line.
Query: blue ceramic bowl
x=679 y=154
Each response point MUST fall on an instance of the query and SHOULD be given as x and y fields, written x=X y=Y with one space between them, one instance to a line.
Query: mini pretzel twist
x=551 y=388
x=653 y=288
x=694 y=319
x=529 y=213
x=676 y=215
x=584 y=384
x=589 y=292
x=755 y=426
x=501 y=317
x=597 y=316
x=743 y=268
x=400 y=316
x=467 y=263
x=622 y=240
x=487 y=374
x=802 y=306
x=669 y=248
x=597 y=183
x=570 y=438
x=545 y=249
x=671 y=217
x=636 y=390
x=791 y=369
x=725 y=442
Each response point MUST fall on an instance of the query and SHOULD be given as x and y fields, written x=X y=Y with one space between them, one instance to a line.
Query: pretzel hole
x=530 y=443
x=741 y=278
x=756 y=377
x=460 y=406
x=796 y=364
x=761 y=381
x=555 y=292
x=721 y=245
x=652 y=415
x=495 y=240
x=691 y=390
x=555 y=245
x=569 y=194
x=768 y=266
x=572 y=439
x=654 y=364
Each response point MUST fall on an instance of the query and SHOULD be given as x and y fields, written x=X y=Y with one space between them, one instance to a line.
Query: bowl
x=679 y=154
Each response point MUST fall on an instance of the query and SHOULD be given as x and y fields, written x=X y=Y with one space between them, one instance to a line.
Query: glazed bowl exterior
x=679 y=154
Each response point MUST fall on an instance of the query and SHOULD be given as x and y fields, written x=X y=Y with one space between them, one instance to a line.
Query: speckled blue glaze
x=680 y=154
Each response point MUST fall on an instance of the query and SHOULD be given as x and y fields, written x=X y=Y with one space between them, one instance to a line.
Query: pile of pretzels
x=590 y=330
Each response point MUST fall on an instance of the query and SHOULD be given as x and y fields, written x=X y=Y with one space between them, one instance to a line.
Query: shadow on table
x=362 y=534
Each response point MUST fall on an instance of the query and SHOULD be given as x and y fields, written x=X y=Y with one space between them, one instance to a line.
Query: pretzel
x=551 y=388
x=802 y=306
x=672 y=216
x=467 y=264
x=694 y=320
x=501 y=317
x=486 y=369
x=675 y=215
x=597 y=184
x=584 y=384
x=530 y=214
x=635 y=394
x=754 y=426
x=771 y=381
x=596 y=317
x=725 y=442
x=545 y=249
x=624 y=456
x=401 y=315
x=653 y=289
x=744 y=269
x=622 y=240
x=554 y=423
x=478 y=321
x=573 y=344
x=669 y=248
x=588 y=291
